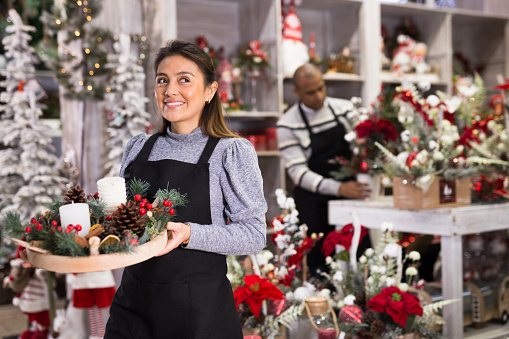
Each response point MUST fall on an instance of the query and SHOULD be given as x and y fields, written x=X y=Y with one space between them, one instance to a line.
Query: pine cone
x=377 y=327
x=369 y=317
x=360 y=299
x=128 y=218
x=75 y=194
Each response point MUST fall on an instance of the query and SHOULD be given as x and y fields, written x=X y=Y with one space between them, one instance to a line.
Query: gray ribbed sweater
x=236 y=189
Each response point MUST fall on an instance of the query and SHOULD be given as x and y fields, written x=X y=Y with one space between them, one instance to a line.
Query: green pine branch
x=137 y=186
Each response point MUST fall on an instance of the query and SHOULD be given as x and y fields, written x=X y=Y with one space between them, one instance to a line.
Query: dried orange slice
x=109 y=240
x=93 y=227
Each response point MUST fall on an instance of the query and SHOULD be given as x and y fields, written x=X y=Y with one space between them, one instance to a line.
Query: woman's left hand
x=179 y=233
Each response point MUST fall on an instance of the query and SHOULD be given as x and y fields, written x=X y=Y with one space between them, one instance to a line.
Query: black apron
x=313 y=207
x=185 y=293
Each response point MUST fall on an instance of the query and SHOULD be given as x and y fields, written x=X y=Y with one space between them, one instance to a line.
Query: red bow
x=343 y=237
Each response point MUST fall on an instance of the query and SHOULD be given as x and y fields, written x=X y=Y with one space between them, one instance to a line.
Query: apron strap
x=207 y=151
x=305 y=119
x=143 y=155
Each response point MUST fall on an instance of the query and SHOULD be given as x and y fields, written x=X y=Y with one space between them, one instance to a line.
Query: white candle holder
x=75 y=214
x=112 y=191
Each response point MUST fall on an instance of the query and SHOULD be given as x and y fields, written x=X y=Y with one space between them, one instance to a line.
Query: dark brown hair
x=211 y=119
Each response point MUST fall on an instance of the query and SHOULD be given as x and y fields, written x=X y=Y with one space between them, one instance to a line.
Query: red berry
x=28 y=229
x=144 y=201
x=54 y=223
x=41 y=218
x=133 y=241
x=149 y=206
x=137 y=197
x=143 y=204
x=108 y=218
x=38 y=227
x=70 y=226
x=96 y=195
x=77 y=228
x=143 y=211
x=171 y=211
x=59 y=228
x=68 y=230
x=33 y=221
x=170 y=203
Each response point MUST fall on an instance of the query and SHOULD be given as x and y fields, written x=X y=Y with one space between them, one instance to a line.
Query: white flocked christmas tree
x=126 y=103
x=29 y=177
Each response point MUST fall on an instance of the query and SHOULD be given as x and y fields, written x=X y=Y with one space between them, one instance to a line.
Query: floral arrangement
x=117 y=229
x=253 y=59
x=372 y=300
x=203 y=43
x=268 y=289
x=369 y=127
x=429 y=143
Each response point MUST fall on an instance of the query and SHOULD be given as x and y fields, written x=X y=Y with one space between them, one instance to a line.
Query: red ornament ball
x=144 y=201
x=38 y=227
x=54 y=223
x=351 y=314
x=78 y=227
x=137 y=197
x=171 y=211
x=149 y=206
x=108 y=218
x=143 y=204
x=28 y=229
x=143 y=211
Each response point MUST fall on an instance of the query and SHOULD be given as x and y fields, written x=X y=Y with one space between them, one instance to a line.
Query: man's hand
x=354 y=190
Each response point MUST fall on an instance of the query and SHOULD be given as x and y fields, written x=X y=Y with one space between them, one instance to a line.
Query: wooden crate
x=441 y=193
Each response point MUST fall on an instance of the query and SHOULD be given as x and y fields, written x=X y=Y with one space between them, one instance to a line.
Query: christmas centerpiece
x=112 y=228
x=377 y=294
x=428 y=165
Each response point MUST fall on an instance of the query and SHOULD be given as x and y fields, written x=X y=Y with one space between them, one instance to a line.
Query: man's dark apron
x=313 y=207
x=185 y=293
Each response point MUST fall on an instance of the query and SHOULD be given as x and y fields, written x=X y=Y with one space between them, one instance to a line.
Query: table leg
x=452 y=285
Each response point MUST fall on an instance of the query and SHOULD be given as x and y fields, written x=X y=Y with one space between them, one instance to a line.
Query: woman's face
x=181 y=93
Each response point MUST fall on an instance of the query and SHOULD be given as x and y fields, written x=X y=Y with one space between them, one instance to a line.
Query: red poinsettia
x=256 y=291
x=382 y=126
x=342 y=237
x=396 y=303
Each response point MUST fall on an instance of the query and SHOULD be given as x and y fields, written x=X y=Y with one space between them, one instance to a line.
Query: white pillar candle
x=75 y=214
x=112 y=191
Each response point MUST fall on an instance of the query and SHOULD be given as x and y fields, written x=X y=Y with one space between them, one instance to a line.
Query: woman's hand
x=179 y=233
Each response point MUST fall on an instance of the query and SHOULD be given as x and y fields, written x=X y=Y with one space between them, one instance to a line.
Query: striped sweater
x=294 y=143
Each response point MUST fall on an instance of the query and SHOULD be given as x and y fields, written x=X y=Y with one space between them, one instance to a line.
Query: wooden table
x=451 y=223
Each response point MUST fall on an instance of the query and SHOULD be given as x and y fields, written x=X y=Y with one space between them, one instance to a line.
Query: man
x=310 y=134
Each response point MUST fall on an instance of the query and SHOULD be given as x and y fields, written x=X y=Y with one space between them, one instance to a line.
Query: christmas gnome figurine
x=93 y=292
x=295 y=52
x=32 y=296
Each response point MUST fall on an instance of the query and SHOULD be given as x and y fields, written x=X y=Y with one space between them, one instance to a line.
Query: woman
x=183 y=292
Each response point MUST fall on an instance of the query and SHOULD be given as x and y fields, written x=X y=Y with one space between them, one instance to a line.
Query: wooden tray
x=95 y=263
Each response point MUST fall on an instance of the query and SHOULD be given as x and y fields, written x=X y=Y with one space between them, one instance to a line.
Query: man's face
x=311 y=91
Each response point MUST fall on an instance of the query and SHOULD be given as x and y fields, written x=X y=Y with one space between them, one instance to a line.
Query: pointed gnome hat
x=292 y=29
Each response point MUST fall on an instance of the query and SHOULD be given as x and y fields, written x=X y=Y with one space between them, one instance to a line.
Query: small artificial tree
x=126 y=104
x=27 y=166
